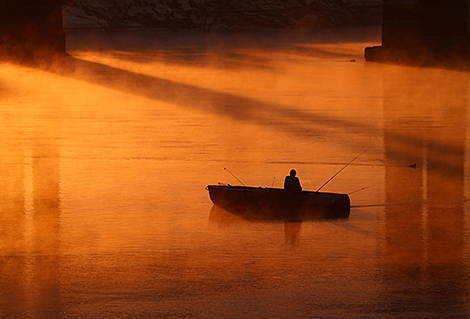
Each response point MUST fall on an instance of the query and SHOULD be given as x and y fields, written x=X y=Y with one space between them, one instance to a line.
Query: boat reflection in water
x=258 y=203
x=222 y=217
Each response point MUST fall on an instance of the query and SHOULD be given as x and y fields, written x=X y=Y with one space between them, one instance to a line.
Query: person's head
x=292 y=172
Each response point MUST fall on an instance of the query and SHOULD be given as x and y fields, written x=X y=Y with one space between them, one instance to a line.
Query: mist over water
x=105 y=160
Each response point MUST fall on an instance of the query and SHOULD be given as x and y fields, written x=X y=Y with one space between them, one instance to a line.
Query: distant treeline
x=222 y=15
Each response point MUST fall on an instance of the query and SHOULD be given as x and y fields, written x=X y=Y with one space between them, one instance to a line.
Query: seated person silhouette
x=292 y=183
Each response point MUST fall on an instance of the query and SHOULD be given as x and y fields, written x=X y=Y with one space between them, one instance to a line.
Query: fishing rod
x=342 y=169
x=232 y=174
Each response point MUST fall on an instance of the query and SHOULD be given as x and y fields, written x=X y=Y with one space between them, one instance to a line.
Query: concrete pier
x=422 y=32
x=29 y=27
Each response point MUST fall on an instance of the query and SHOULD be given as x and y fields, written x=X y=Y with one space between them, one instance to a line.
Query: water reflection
x=292 y=232
x=424 y=247
x=30 y=217
x=113 y=183
x=223 y=218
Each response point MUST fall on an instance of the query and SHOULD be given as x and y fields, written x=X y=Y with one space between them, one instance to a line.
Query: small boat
x=277 y=203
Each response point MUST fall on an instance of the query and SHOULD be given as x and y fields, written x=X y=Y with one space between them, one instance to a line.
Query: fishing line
x=361 y=189
x=414 y=203
x=232 y=174
x=352 y=164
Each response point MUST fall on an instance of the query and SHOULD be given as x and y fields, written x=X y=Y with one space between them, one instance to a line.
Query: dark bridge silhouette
x=417 y=31
x=423 y=32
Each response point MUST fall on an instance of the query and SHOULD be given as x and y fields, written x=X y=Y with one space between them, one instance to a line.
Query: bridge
x=417 y=31
x=423 y=32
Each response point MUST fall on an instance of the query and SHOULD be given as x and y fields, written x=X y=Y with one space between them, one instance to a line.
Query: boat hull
x=276 y=203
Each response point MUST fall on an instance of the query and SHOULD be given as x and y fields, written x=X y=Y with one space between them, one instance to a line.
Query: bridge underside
x=423 y=32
